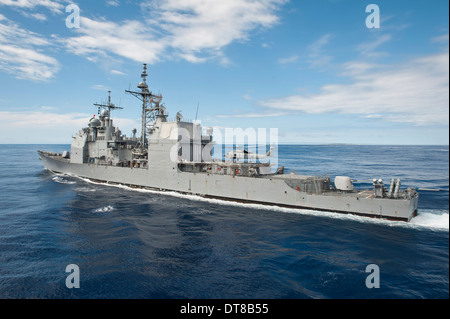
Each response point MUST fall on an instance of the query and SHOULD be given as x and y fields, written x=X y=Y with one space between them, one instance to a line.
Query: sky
x=319 y=71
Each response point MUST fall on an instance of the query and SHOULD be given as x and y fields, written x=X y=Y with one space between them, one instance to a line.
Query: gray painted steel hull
x=265 y=190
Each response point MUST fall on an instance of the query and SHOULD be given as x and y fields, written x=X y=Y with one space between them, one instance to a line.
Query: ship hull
x=266 y=190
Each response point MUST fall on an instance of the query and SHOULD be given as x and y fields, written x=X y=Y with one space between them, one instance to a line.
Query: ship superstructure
x=177 y=155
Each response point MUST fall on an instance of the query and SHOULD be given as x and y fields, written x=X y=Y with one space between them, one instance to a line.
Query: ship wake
x=61 y=180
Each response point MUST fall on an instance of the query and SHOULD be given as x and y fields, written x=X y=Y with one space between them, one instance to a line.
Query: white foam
x=61 y=180
x=436 y=220
x=432 y=219
x=104 y=209
x=85 y=189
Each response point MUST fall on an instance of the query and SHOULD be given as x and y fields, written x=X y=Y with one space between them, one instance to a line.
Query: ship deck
x=55 y=156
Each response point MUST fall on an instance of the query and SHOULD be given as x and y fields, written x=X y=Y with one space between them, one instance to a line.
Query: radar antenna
x=151 y=108
x=109 y=106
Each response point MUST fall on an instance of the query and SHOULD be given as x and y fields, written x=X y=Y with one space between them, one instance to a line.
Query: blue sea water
x=145 y=244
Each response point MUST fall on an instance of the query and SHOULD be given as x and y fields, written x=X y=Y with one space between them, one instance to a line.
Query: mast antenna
x=110 y=106
x=151 y=108
x=196 y=113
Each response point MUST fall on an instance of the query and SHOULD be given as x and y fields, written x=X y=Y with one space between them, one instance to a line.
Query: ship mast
x=110 y=106
x=151 y=108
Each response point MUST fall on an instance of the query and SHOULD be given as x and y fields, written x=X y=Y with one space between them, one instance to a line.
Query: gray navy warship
x=174 y=155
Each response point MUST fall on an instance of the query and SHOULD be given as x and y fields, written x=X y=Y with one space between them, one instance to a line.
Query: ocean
x=139 y=244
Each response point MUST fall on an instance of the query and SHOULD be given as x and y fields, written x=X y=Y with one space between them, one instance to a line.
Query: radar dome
x=142 y=85
x=94 y=122
x=104 y=113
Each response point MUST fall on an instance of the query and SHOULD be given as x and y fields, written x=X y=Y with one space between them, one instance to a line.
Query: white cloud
x=193 y=30
x=40 y=126
x=317 y=57
x=39 y=119
x=117 y=72
x=198 y=25
x=368 y=48
x=37 y=16
x=192 y=58
x=414 y=92
x=129 y=39
x=287 y=60
x=49 y=127
x=253 y=115
x=53 y=5
x=113 y=3
x=21 y=53
x=100 y=87
x=442 y=39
